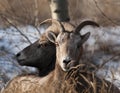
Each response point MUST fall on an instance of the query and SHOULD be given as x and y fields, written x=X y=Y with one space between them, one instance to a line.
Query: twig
x=16 y=28
x=103 y=13
x=36 y=12
x=108 y=60
x=25 y=10
x=37 y=30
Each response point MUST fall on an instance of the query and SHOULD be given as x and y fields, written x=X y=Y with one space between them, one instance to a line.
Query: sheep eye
x=45 y=45
x=39 y=46
x=42 y=45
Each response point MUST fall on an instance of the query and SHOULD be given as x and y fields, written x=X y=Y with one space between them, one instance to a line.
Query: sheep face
x=37 y=55
x=68 y=47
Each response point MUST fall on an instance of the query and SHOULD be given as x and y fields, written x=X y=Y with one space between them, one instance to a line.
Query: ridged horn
x=49 y=22
x=85 y=23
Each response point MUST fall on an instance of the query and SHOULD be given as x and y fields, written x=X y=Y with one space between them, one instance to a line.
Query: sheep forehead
x=68 y=37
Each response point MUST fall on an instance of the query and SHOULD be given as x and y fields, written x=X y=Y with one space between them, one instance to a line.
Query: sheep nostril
x=66 y=61
x=17 y=55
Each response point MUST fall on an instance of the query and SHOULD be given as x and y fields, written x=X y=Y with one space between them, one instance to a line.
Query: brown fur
x=70 y=82
x=55 y=81
x=41 y=54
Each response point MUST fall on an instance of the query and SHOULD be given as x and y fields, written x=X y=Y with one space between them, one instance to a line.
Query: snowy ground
x=11 y=42
x=103 y=44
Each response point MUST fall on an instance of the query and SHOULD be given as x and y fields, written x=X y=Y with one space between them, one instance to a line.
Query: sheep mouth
x=21 y=61
x=69 y=65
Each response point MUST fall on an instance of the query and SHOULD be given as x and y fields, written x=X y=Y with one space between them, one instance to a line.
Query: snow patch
x=103 y=43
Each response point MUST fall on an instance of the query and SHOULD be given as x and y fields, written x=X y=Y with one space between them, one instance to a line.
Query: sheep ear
x=85 y=37
x=51 y=36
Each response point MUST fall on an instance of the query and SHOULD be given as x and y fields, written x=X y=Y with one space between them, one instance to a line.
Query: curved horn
x=62 y=27
x=49 y=22
x=84 y=23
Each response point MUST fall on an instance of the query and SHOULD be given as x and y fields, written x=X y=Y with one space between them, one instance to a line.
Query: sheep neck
x=50 y=68
x=59 y=73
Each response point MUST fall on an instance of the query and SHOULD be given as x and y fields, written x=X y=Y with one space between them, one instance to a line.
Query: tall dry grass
x=34 y=11
x=105 y=12
x=80 y=79
x=25 y=11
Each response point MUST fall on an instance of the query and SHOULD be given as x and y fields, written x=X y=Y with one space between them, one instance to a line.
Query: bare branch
x=104 y=13
x=38 y=30
x=36 y=12
x=15 y=27
x=108 y=60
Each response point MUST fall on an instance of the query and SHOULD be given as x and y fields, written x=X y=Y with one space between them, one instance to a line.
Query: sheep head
x=68 y=47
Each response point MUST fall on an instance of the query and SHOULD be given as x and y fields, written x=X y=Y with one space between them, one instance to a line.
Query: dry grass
x=80 y=79
x=35 y=11
x=101 y=11
x=25 y=11
x=83 y=78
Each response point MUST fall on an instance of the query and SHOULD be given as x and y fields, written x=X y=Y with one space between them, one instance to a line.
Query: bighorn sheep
x=41 y=54
x=68 y=52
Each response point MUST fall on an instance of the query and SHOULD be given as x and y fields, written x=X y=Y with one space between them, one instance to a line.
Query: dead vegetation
x=35 y=11
x=81 y=79
x=25 y=11
x=23 y=15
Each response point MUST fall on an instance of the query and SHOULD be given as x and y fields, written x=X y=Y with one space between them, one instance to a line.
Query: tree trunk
x=59 y=10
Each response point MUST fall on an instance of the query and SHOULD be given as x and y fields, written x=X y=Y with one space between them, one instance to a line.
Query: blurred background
x=19 y=18
x=105 y=12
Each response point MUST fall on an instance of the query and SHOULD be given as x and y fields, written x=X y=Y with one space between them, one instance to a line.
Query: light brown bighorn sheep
x=68 y=53
x=42 y=53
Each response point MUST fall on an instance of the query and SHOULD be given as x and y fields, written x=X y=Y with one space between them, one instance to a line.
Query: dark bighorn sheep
x=41 y=54
x=68 y=52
